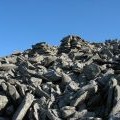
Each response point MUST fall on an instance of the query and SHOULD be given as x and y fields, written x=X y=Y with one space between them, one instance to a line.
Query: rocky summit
x=77 y=80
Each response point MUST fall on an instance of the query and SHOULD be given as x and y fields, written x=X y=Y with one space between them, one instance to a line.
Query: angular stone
x=91 y=71
x=79 y=99
x=115 y=109
x=35 y=81
x=11 y=90
x=6 y=67
x=41 y=93
x=116 y=94
x=81 y=115
x=73 y=86
x=23 y=108
x=49 y=60
x=67 y=111
x=52 y=114
x=77 y=67
x=115 y=117
x=65 y=79
x=65 y=99
x=3 y=102
x=41 y=70
x=76 y=80
x=52 y=75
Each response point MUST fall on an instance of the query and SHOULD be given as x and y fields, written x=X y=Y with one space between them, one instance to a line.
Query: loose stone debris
x=76 y=81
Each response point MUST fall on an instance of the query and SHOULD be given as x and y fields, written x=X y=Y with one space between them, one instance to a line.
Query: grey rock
x=115 y=117
x=73 y=86
x=77 y=80
x=52 y=114
x=3 y=102
x=41 y=69
x=53 y=75
x=36 y=59
x=35 y=111
x=116 y=94
x=6 y=67
x=65 y=99
x=11 y=90
x=77 y=67
x=35 y=81
x=49 y=60
x=82 y=80
x=91 y=71
x=81 y=97
x=115 y=109
x=41 y=93
x=67 y=111
x=23 y=108
x=22 y=88
x=81 y=115
x=65 y=79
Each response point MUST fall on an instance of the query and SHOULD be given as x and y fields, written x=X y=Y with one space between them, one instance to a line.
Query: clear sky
x=26 y=22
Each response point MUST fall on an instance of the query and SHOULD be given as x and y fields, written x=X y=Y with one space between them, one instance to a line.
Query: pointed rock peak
x=71 y=42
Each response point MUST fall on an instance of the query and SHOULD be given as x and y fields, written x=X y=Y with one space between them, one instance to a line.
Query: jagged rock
x=67 y=111
x=23 y=108
x=115 y=117
x=52 y=114
x=53 y=75
x=82 y=115
x=115 y=109
x=35 y=81
x=40 y=92
x=73 y=42
x=49 y=60
x=43 y=48
x=112 y=83
x=81 y=97
x=65 y=79
x=11 y=90
x=91 y=71
x=76 y=80
x=36 y=59
x=6 y=67
x=41 y=70
x=65 y=99
x=78 y=67
x=3 y=102
x=73 y=86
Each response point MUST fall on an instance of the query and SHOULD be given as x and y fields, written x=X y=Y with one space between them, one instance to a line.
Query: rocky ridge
x=76 y=81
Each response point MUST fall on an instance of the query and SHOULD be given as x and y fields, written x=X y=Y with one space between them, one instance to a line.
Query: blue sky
x=26 y=22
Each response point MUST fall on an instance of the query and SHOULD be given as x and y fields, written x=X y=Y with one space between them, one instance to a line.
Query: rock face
x=76 y=81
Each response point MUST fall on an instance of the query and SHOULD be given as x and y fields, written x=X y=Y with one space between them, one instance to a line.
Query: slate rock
x=76 y=80
x=53 y=75
x=23 y=108
x=91 y=71
x=35 y=81
x=3 y=102
x=67 y=111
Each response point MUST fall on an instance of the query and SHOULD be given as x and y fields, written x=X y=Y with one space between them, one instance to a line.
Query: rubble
x=77 y=80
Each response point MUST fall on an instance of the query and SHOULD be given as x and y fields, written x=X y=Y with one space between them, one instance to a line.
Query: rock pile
x=75 y=81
